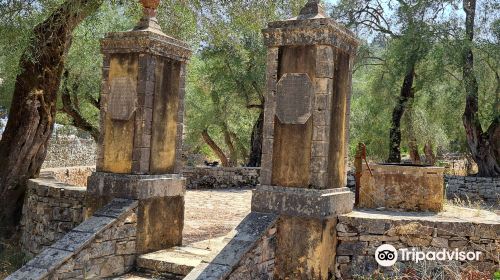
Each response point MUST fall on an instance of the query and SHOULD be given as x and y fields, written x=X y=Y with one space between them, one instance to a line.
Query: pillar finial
x=313 y=9
x=148 y=20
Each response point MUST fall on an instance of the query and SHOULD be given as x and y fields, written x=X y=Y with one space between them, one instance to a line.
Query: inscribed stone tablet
x=294 y=98
x=121 y=104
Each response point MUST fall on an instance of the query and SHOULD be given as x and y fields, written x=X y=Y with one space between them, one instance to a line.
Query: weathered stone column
x=303 y=175
x=142 y=106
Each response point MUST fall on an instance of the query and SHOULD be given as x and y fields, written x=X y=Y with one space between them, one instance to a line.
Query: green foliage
x=17 y=19
x=427 y=33
x=84 y=60
x=226 y=75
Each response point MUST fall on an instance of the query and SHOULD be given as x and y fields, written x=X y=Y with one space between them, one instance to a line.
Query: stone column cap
x=302 y=202
x=136 y=186
x=313 y=31
x=145 y=41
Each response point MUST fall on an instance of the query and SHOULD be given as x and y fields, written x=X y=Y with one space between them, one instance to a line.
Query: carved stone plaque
x=294 y=98
x=121 y=104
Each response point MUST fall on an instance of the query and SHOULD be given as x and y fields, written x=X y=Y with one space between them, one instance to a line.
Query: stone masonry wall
x=50 y=210
x=221 y=177
x=66 y=151
x=472 y=188
x=53 y=205
x=360 y=233
x=468 y=188
x=75 y=175
x=259 y=262
x=102 y=246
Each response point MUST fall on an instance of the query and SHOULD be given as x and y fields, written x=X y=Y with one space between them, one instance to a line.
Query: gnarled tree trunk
x=31 y=117
x=256 y=141
x=484 y=146
x=71 y=109
x=215 y=148
x=397 y=114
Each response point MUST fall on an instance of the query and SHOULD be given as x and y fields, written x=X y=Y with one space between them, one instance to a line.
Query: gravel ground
x=213 y=213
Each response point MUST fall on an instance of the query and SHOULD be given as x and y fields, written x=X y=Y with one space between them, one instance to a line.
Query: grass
x=425 y=271
x=476 y=205
x=11 y=258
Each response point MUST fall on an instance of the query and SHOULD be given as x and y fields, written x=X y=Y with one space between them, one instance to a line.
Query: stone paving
x=213 y=213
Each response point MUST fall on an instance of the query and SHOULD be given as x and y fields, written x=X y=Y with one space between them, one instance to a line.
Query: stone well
x=402 y=187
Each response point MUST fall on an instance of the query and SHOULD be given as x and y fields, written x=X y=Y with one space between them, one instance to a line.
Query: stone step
x=137 y=276
x=178 y=261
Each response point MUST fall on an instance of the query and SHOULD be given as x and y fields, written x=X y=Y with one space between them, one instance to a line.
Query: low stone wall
x=102 y=246
x=472 y=188
x=54 y=205
x=221 y=177
x=65 y=151
x=359 y=234
x=50 y=210
x=75 y=175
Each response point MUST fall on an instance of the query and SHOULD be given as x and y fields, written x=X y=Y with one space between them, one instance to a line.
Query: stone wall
x=53 y=206
x=221 y=177
x=259 y=262
x=472 y=188
x=75 y=175
x=70 y=151
x=100 y=247
x=361 y=232
x=50 y=210
x=468 y=188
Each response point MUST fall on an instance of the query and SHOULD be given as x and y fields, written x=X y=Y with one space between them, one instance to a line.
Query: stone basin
x=402 y=187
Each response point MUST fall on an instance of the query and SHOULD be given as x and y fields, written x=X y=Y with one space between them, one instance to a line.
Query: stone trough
x=402 y=187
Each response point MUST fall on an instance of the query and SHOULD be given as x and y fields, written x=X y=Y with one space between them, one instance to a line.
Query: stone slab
x=294 y=98
x=28 y=273
x=209 y=271
x=73 y=241
x=136 y=186
x=177 y=260
x=117 y=208
x=145 y=42
x=94 y=224
x=50 y=259
x=253 y=226
x=302 y=202
x=122 y=97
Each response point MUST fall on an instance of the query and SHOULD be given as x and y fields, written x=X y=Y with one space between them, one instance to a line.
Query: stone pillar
x=139 y=149
x=303 y=173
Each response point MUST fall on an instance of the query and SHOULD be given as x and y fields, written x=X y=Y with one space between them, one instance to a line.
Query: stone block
x=73 y=241
x=209 y=271
x=302 y=202
x=116 y=208
x=352 y=248
x=95 y=224
x=28 y=273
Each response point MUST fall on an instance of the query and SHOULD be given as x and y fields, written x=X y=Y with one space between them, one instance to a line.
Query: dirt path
x=213 y=213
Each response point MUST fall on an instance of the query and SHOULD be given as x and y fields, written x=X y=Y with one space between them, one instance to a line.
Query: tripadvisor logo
x=387 y=255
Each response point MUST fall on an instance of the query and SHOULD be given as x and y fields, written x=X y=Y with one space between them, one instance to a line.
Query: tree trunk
x=216 y=149
x=397 y=114
x=430 y=157
x=484 y=146
x=72 y=111
x=32 y=112
x=413 y=149
x=256 y=141
x=233 y=152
